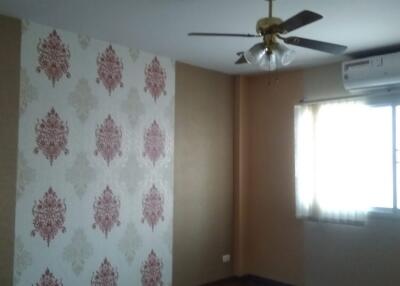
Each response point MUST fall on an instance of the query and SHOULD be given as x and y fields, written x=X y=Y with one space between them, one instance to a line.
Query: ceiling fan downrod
x=270 y=8
x=264 y=24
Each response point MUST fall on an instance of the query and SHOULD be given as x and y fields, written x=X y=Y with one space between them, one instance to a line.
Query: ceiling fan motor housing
x=264 y=23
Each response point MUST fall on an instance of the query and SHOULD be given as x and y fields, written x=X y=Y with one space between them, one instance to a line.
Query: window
x=346 y=159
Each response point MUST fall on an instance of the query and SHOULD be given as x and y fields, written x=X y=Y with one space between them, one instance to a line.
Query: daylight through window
x=346 y=159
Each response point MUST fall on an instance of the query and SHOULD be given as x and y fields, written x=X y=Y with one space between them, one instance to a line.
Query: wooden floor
x=231 y=284
x=248 y=280
x=237 y=282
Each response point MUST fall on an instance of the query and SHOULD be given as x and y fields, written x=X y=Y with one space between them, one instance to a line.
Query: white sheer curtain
x=343 y=160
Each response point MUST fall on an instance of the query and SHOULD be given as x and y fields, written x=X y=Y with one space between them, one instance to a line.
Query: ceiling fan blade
x=297 y=21
x=315 y=45
x=224 y=35
x=241 y=60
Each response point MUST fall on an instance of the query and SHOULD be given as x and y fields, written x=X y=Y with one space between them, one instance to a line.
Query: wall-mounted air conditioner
x=374 y=74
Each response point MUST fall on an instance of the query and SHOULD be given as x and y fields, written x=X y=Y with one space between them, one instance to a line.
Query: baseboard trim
x=249 y=278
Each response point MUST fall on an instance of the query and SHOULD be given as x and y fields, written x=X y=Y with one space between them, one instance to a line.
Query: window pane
x=344 y=159
x=381 y=155
x=358 y=151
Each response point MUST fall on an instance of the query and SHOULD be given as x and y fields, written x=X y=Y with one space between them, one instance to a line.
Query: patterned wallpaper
x=95 y=164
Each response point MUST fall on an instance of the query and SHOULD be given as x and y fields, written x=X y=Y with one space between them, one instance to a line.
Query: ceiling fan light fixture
x=259 y=56
x=285 y=55
x=270 y=61
x=255 y=54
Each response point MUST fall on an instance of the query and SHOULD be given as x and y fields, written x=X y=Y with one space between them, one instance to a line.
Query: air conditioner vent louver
x=356 y=64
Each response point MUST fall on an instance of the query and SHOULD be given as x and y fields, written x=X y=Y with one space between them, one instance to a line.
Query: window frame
x=394 y=212
x=381 y=99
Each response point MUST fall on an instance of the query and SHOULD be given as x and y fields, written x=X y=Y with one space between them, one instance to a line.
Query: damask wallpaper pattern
x=95 y=166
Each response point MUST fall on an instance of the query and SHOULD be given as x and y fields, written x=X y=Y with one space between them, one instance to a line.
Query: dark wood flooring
x=229 y=284
x=234 y=283
x=247 y=280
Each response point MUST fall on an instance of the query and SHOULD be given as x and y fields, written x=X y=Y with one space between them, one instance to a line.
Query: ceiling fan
x=271 y=52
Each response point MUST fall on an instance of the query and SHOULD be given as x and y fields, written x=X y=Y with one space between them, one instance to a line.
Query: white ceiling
x=161 y=26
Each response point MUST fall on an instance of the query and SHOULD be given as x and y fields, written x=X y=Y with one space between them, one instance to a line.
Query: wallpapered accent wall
x=95 y=164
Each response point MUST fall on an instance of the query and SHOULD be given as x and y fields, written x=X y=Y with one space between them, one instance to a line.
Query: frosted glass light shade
x=255 y=55
x=285 y=54
x=258 y=55
x=270 y=62
x=280 y=55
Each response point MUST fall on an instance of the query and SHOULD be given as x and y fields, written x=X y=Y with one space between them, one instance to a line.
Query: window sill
x=384 y=213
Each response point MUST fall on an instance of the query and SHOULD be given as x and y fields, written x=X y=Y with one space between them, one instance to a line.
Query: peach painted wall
x=203 y=206
x=276 y=244
x=241 y=175
x=273 y=242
